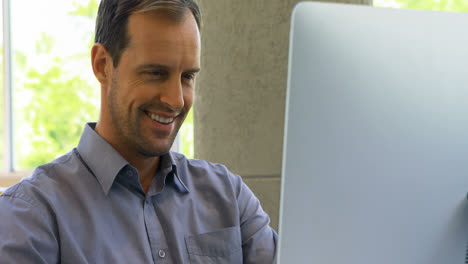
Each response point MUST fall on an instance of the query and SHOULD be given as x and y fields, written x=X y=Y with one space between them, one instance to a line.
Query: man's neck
x=146 y=166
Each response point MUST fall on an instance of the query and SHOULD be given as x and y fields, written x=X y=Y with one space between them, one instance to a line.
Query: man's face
x=152 y=86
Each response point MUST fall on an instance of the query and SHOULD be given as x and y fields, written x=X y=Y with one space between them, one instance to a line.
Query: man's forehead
x=167 y=13
x=161 y=40
x=165 y=17
x=147 y=26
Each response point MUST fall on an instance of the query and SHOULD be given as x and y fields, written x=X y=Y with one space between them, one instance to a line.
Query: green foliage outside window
x=60 y=101
x=56 y=114
x=442 y=5
x=439 y=5
x=186 y=136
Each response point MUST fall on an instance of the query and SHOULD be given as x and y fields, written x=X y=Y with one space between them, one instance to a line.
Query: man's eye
x=154 y=75
x=189 y=76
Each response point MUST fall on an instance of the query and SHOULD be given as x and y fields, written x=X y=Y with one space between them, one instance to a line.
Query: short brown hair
x=112 y=20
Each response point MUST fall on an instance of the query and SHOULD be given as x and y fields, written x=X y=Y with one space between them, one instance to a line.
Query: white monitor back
x=375 y=165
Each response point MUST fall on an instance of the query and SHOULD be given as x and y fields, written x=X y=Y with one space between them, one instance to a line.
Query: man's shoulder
x=196 y=172
x=198 y=164
x=45 y=180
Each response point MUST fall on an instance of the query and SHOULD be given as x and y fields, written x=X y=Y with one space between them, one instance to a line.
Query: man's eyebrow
x=193 y=70
x=153 y=66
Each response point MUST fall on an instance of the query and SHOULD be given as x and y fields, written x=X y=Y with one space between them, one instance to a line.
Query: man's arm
x=259 y=240
x=26 y=235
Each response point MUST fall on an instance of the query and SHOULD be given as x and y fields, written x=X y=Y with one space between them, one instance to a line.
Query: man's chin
x=155 y=144
x=154 y=153
x=155 y=150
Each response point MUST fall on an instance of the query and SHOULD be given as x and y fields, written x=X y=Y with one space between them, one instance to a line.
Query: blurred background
x=239 y=106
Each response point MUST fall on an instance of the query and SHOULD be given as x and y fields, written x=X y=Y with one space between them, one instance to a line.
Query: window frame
x=8 y=151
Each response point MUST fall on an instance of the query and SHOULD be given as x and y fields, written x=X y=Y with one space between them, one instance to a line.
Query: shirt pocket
x=220 y=246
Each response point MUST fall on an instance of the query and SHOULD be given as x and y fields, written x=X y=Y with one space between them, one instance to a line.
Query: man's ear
x=102 y=63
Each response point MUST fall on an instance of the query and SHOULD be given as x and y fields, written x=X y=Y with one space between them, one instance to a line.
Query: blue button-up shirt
x=88 y=207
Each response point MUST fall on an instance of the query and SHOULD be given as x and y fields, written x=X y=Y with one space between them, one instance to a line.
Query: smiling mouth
x=160 y=119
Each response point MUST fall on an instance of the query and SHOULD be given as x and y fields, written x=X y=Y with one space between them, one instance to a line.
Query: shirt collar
x=105 y=162
x=179 y=184
x=100 y=157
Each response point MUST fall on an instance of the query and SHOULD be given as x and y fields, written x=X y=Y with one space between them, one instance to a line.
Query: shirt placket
x=155 y=233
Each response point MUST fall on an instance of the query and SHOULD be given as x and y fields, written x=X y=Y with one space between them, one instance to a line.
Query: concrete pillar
x=240 y=95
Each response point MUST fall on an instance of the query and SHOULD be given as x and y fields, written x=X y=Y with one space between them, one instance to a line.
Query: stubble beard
x=128 y=131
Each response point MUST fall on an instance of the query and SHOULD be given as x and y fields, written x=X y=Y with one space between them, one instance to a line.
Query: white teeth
x=161 y=119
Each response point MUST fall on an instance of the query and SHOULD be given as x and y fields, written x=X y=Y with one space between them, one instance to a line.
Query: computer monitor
x=375 y=162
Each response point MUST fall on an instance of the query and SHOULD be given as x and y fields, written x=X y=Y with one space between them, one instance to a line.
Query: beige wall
x=240 y=97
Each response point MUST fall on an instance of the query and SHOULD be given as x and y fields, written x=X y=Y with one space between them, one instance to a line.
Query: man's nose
x=172 y=94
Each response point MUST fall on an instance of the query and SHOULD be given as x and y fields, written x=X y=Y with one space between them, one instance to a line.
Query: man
x=121 y=196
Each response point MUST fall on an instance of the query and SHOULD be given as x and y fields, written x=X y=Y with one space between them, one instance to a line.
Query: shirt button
x=161 y=253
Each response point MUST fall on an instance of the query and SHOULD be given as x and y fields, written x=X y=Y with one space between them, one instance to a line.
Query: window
x=440 y=5
x=54 y=90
